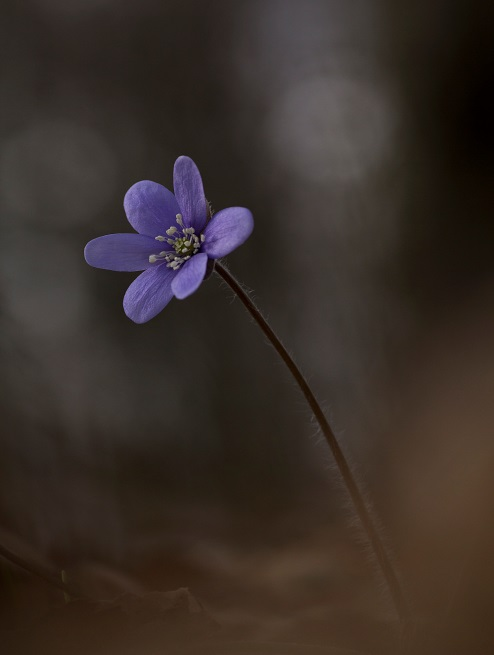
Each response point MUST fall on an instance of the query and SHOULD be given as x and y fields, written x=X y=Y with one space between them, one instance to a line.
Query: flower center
x=185 y=244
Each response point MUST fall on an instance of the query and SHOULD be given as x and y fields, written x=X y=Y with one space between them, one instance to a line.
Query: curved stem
x=343 y=466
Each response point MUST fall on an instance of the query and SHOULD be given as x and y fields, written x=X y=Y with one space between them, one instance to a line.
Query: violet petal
x=150 y=208
x=190 y=276
x=121 y=252
x=189 y=192
x=227 y=230
x=149 y=293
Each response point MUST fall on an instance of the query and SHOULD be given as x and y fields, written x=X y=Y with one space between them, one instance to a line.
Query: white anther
x=152 y=259
x=159 y=238
x=203 y=238
x=171 y=231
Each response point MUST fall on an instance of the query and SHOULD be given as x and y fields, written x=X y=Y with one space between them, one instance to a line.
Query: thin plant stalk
x=361 y=509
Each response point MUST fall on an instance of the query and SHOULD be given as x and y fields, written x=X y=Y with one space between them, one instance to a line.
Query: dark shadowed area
x=143 y=459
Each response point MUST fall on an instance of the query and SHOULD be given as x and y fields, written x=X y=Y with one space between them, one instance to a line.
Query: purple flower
x=175 y=242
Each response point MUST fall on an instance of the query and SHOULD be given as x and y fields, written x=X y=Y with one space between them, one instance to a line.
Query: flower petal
x=121 y=252
x=227 y=230
x=189 y=192
x=149 y=293
x=190 y=276
x=151 y=208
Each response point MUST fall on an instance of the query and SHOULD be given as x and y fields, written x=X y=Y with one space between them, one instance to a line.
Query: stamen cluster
x=186 y=243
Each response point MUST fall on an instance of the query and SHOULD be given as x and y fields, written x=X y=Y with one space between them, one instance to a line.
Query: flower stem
x=363 y=513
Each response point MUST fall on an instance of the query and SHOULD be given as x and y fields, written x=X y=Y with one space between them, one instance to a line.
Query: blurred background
x=179 y=453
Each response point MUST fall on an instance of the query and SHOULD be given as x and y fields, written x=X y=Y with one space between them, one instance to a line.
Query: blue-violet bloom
x=176 y=243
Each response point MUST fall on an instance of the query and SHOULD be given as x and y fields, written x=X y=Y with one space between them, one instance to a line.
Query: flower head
x=176 y=240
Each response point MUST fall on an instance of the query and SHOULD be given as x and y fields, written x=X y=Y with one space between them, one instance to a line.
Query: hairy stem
x=370 y=529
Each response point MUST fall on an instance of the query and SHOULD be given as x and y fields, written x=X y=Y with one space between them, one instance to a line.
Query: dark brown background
x=179 y=453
